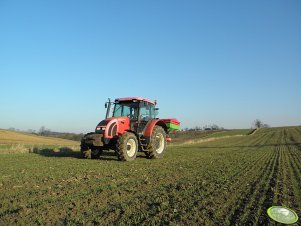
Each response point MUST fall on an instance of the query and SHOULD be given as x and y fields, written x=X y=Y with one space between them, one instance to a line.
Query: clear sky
x=221 y=62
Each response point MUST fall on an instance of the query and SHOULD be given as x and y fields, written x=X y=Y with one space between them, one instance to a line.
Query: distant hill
x=12 y=137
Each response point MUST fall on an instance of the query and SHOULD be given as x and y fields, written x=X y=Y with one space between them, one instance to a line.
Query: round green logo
x=282 y=215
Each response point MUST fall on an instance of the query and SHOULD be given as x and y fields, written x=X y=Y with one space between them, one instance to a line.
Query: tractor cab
x=135 y=108
x=139 y=111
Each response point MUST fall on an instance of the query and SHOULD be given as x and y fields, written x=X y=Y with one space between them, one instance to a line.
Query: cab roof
x=135 y=98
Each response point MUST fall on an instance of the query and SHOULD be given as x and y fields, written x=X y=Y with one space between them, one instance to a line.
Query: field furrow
x=246 y=209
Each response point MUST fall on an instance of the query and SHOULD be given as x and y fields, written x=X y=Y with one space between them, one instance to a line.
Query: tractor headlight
x=100 y=128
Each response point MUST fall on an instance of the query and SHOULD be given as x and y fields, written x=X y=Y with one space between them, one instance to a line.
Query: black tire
x=157 y=146
x=90 y=153
x=96 y=152
x=85 y=150
x=127 y=147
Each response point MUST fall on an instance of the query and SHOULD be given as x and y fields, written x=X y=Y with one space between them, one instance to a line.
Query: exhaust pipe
x=108 y=107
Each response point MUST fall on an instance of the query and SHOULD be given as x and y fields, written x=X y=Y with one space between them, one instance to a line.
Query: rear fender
x=150 y=127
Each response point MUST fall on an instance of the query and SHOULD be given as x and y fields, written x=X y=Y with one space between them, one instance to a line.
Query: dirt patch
x=205 y=140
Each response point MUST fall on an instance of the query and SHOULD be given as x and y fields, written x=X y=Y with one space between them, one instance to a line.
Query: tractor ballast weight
x=132 y=126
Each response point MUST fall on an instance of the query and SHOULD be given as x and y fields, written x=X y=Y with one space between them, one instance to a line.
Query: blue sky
x=221 y=62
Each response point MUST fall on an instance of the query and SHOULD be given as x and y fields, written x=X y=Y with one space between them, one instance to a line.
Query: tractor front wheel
x=93 y=153
x=157 y=145
x=96 y=152
x=89 y=152
x=85 y=150
x=127 y=147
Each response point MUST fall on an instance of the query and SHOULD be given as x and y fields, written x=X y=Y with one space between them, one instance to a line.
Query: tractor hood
x=113 y=126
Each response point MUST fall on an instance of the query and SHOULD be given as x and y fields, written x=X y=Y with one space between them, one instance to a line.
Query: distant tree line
x=43 y=131
x=206 y=127
x=68 y=136
x=259 y=124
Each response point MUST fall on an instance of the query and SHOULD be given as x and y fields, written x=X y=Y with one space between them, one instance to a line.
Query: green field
x=227 y=181
x=201 y=136
x=234 y=132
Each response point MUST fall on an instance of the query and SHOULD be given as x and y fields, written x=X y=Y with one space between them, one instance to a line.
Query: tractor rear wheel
x=127 y=147
x=157 y=145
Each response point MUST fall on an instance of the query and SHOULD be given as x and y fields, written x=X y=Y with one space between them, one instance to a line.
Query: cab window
x=127 y=109
x=147 y=111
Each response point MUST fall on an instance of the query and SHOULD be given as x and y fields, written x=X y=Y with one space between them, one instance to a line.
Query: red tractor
x=131 y=125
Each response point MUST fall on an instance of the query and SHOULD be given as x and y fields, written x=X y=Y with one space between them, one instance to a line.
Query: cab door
x=146 y=114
